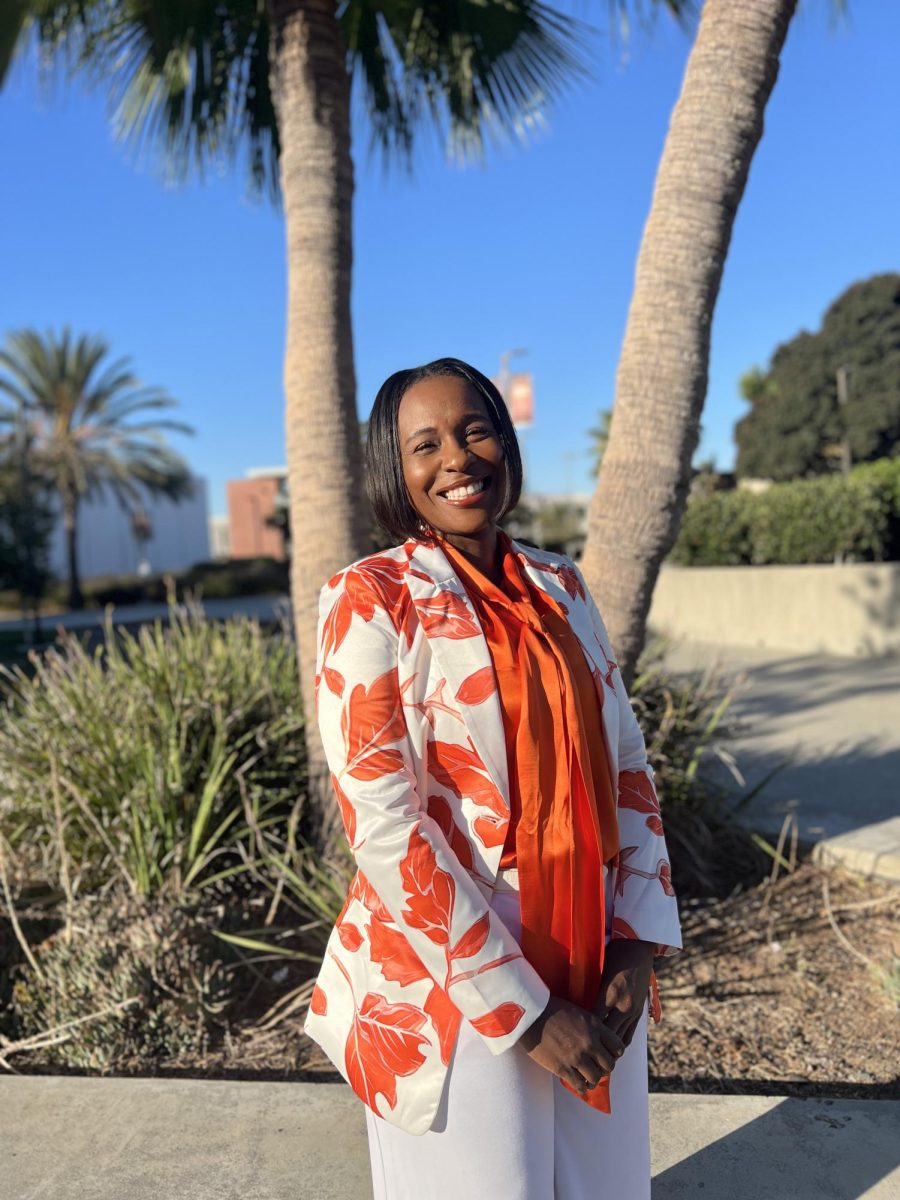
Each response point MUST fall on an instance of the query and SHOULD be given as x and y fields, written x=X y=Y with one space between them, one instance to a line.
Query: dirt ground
x=790 y=987
x=769 y=996
x=787 y=988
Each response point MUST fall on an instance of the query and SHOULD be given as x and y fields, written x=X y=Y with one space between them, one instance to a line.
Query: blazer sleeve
x=460 y=941
x=644 y=902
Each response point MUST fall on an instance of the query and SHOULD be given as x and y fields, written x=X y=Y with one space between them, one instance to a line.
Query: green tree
x=796 y=424
x=599 y=436
x=76 y=407
x=27 y=517
x=210 y=79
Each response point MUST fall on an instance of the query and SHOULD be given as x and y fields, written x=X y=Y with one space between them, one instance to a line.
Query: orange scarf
x=563 y=823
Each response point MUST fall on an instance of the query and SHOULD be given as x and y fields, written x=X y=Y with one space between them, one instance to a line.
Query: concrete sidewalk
x=152 y=1139
x=837 y=722
x=264 y=608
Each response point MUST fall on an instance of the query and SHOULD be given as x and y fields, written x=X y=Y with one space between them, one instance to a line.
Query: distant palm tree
x=74 y=407
x=599 y=436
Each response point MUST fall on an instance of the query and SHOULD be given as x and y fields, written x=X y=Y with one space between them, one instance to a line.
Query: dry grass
x=789 y=987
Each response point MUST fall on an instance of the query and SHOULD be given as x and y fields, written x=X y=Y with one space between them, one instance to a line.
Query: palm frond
x=191 y=80
x=479 y=70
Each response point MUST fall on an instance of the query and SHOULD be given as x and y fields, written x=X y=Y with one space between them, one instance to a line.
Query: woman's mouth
x=468 y=496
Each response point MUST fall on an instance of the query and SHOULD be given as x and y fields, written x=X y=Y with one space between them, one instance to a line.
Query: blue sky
x=535 y=249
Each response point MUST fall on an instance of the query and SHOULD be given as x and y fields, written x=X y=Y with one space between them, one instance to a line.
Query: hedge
x=838 y=518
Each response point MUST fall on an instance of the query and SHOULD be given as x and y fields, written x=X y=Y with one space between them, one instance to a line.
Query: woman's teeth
x=471 y=490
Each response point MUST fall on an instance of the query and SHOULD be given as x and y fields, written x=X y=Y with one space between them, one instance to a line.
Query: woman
x=485 y=988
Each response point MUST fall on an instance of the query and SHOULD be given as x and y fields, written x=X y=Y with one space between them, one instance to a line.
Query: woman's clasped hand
x=572 y=1043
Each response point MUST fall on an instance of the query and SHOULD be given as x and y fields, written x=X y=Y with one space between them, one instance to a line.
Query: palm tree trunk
x=329 y=515
x=70 y=520
x=661 y=384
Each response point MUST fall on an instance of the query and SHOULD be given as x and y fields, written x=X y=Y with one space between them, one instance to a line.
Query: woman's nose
x=457 y=455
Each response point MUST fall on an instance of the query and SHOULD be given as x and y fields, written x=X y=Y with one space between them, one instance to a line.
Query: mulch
x=791 y=987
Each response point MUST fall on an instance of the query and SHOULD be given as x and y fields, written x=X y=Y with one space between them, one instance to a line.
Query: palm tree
x=75 y=408
x=207 y=78
x=636 y=511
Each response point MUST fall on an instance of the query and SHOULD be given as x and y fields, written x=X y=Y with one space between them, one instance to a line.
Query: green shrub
x=715 y=531
x=828 y=519
x=129 y=985
x=213 y=580
x=162 y=760
x=686 y=725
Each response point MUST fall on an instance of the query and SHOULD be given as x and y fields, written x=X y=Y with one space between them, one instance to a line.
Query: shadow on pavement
x=798 y=1149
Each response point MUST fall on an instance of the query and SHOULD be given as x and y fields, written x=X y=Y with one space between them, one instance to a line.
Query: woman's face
x=447 y=440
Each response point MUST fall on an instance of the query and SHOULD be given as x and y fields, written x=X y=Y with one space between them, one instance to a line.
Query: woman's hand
x=624 y=985
x=572 y=1043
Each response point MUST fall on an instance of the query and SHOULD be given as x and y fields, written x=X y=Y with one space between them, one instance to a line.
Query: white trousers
x=507 y=1129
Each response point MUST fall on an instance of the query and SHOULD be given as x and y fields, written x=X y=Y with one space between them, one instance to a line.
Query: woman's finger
x=575 y=1079
x=591 y=1069
x=608 y=1046
x=616 y=1021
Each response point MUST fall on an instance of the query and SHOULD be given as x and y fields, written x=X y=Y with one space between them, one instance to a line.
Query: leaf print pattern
x=384 y=1045
x=663 y=871
x=461 y=771
x=445 y=1018
x=431 y=891
x=362 y=890
x=433 y=703
x=334 y=680
x=477 y=687
x=440 y=812
x=348 y=813
x=351 y=938
x=389 y=573
x=621 y=929
x=370 y=721
x=473 y=939
x=610 y=666
x=490 y=830
x=563 y=571
x=319 y=1002
x=361 y=596
x=499 y=1021
x=390 y=949
x=637 y=792
x=447 y=615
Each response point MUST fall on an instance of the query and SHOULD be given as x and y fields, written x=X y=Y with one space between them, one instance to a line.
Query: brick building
x=253 y=503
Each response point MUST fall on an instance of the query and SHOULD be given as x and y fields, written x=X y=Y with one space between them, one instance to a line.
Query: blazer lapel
x=459 y=647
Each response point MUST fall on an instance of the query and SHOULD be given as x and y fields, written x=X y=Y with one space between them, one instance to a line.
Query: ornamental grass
x=159 y=902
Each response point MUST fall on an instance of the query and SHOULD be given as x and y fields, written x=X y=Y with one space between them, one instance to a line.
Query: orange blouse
x=563 y=823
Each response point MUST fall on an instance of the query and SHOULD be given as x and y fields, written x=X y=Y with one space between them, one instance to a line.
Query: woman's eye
x=477 y=430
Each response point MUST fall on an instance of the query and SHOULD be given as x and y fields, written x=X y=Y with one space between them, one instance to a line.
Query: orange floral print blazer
x=408 y=710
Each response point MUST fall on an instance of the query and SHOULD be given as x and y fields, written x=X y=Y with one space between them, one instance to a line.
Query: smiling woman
x=434 y=431
x=492 y=963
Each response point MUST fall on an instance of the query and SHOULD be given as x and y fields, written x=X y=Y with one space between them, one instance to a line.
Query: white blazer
x=407 y=705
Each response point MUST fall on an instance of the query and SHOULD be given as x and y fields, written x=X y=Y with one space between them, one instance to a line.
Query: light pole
x=843 y=392
x=29 y=589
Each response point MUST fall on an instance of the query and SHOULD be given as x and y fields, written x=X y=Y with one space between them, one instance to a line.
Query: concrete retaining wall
x=849 y=610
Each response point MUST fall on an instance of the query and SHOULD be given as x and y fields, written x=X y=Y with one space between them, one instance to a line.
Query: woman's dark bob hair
x=385 y=485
